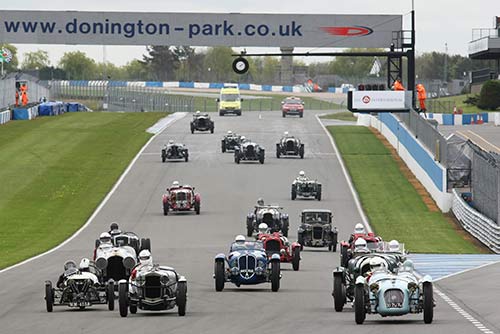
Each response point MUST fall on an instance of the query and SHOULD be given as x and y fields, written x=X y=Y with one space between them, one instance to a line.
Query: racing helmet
x=113 y=226
x=105 y=237
x=197 y=112
x=394 y=246
x=175 y=184
x=359 y=229
x=230 y=132
x=240 y=238
x=377 y=263
x=260 y=201
x=408 y=266
x=285 y=133
x=170 y=141
x=263 y=228
x=243 y=139
x=69 y=264
x=302 y=173
x=84 y=264
x=145 y=257
x=360 y=244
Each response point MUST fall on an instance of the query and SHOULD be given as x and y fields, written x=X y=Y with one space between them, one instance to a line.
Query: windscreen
x=316 y=217
x=230 y=97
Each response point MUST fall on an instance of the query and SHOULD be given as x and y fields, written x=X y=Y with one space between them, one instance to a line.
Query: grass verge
x=56 y=170
x=446 y=103
x=393 y=206
x=341 y=116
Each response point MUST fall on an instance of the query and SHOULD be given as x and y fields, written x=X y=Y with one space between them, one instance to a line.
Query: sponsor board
x=373 y=101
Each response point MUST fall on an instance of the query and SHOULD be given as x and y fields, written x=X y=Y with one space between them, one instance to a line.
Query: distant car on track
x=290 y=146
x=249 y=151
x=174 y=151
x=272 y=216
x=275 y=243
x=181 y=198
x=316 y=229
x=292 y=106
x=230 y=141
x=202 y=122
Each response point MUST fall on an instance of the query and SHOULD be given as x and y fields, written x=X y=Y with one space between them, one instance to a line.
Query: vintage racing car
x=290 y=146
x=152 y=288
x=316 y=229
x=347 y=247
x=270 y=215
x=182 y=198
x=246 y=264
x=292 y=106
x=230 y=141
x=174 y=151
x=249 y=151
x=275 y=243
x=202 y=122
x=306 y=188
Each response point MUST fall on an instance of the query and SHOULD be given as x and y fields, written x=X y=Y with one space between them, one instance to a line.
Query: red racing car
x=347 y=247
x=181 y=198
x=275 y=243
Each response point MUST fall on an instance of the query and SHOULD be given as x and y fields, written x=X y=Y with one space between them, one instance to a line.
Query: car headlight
x=235 y=271
x=164 y=280
x=412 y=286
x=374 y=288
x=261 y=263
x=140 y=280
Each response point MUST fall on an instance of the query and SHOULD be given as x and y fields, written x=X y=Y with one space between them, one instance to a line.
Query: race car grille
x=247 y=266
x=317 y=232
x=290 y=146
x=181 y=196
x=153 y=287
x=115 y=269
x=272 y=246
x=250 y=150
x=202 y=122
x=394 y=298
x=268 y=219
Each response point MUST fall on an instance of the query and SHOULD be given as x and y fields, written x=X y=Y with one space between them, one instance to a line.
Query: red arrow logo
x=348 y=31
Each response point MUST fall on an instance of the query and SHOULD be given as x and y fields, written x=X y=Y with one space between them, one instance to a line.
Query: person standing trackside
x=421 y=95
x=398 y=86
x=17 y=98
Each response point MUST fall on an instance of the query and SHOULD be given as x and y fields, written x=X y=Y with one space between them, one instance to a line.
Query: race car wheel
x=296 y=259
x=163 y=158
x=300 y=240
x=284 y=115
x=146 y=244
x=301 y=115
x=285 y=227
x=223 y=147
x=237 y=158
x=343 y=256
x=221 y=113
x=294 y=192
x=186 y=158
x=428 y=303
x=49 y=296
x=275 y=275
x=133 y=308
x=261 y=157
x=97 y=243
x=318 y=195
x=165 y=209
x=219 y=275
x=249 y=229
x=301 y=152
x=123 y=299
x=338 y=293
x=192 y=128
x=181 y=298
x=110 y=295
x=212 y=129
x=359 y=304
x=278 y=153
x=197 y=208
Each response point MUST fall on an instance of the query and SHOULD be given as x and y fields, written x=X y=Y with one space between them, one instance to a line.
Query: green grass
x=446 y=103
x=342 y=116
x=56 y=170
x=393 y=206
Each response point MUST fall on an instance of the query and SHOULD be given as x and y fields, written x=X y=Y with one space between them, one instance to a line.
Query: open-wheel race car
x=116 y=258
x=181 y=198
x=152 y=288
x=306 y=188
x=345 y=278
x=275 y=243
x=202 y=122
x=230 y=141
x=316 y=229
x=247 y=264
x=249 y=151
x=272 y=216
x=290 y=146
x=393 y=294
x=174 y=151
x=79 y=289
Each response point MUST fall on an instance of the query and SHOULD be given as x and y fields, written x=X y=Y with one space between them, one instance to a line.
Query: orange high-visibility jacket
x=421 y=93
x=398 y=85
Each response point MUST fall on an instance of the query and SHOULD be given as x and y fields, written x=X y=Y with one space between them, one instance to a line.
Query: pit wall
x=419 y=160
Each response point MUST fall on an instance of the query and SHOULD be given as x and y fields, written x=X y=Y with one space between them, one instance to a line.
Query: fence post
x=438 y=153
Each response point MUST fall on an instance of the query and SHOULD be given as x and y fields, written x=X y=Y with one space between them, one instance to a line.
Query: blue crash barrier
x=51 y=108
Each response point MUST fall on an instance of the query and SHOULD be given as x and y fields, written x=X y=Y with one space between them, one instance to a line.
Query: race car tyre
x=197 y=208
x=275 y=275
x=186 y=158
x=301 y=115
x=296 y=259
x=343 y=256
x=300 y=240
x=221 y=113
x=261 y=160
x=49 y=296
x=284 y=115
x=285 y=227
x=359 y=304
x=278 y=153
x=237 y=158
x=219 y=275
x=192 y=128
x=181 y=298
x=123 y=299
x=146 y=244
x=338 y=293
x=249 y=229
x=428 y=303
x=223 y=147
x=110 y=295
x=238 y=113
x=97 y=243
x=318 y=195
x=165 y=209
x=301 y=151
x=262 y=156
x=132 y=308
x=163 y=158
x=212 y=129
x=294 y=192
x=330 y=247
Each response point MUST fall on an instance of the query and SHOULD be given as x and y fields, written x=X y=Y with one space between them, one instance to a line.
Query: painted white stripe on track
x=173 y=118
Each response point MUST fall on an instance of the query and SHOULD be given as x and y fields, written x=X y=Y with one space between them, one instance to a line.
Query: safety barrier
x=25 y=113
x=481 y=227
x=460 y=119
x=5 y=116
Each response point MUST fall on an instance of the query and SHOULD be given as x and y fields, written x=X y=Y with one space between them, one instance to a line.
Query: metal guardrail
x=480 y=226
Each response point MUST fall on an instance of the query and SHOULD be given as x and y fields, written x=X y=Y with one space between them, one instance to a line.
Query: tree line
x=184 y=63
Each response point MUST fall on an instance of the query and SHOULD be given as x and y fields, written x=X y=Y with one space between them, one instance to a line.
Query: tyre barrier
x=480 y=226
x=25 y=113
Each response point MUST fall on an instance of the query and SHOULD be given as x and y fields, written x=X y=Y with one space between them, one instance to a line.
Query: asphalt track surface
x=189 y=243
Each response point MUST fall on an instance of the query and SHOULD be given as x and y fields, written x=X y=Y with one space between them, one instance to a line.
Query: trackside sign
x=198 y=29
x=378 y=101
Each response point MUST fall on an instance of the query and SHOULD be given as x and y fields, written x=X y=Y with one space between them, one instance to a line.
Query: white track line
x=466 y=270
x=347 y=177
x=174 y=118
x=464 y=313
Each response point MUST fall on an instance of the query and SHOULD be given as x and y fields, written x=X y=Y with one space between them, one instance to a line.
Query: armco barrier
x=5 y=116
x=459 y=119
x=481 y=227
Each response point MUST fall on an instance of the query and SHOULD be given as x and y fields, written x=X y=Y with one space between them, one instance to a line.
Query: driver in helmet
x=359 y=229
x=260 y=203
x=360 y=247
x=377 y=265
x=229 y=133
x=302 y=177
x=145 y=260
x=243 y=139
x=263 y=229
x=394 y=246
x=114 y=230
x=175 y=185
x=84 y=268
x=69 y=270
x=105 y=239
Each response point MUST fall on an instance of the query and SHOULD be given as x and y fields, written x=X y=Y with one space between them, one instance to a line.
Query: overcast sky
x=437 y=21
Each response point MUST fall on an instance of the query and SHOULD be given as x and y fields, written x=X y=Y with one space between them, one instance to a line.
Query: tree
x=35 y=60
x=78 y=66
x=12 y=65
x=354 y=68
x=489 y=98
x=218 y=62
x=162 y=62
x=136 y=70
